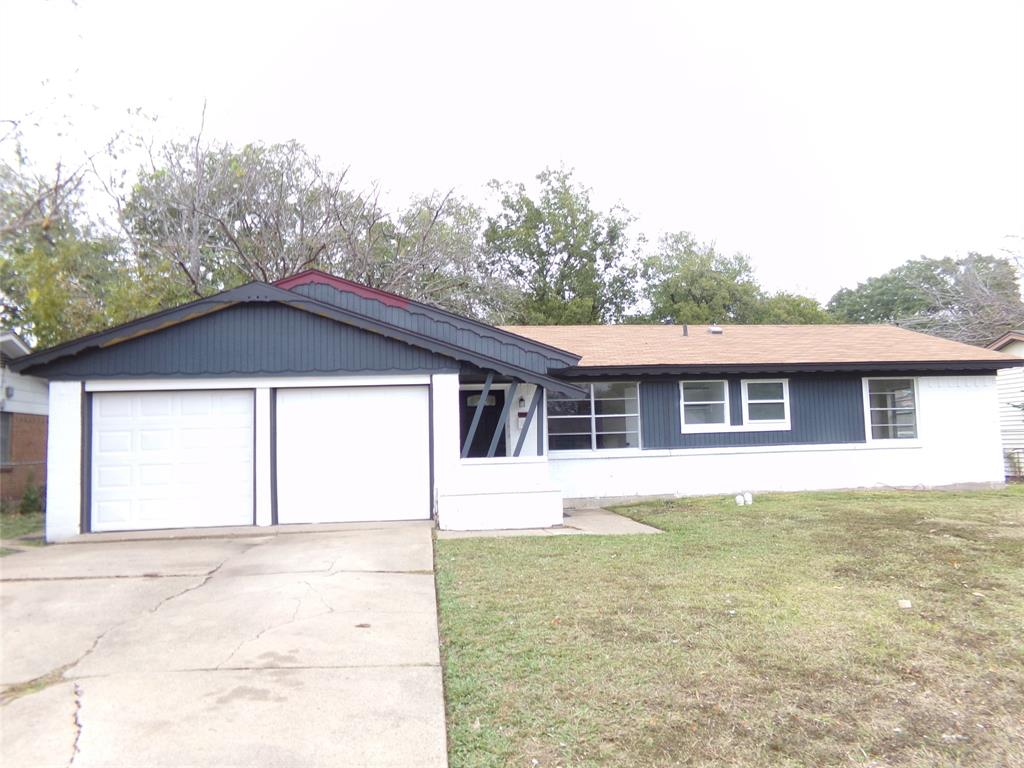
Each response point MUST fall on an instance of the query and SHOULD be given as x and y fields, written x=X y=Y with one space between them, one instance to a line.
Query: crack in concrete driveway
x=225 y=652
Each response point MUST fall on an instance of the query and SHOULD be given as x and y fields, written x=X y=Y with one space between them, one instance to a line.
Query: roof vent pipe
x=686 y=329
x=715 y=329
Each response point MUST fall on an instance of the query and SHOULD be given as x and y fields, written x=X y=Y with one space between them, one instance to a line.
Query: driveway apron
x=290 y=649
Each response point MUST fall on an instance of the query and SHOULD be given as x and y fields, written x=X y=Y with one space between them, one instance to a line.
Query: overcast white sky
x=829 y=141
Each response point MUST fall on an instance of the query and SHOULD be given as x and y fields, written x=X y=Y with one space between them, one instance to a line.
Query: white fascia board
x=251 y=382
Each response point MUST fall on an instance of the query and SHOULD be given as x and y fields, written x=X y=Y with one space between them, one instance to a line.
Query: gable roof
x=301 y=282
x=1007 y=338
x=521 y=366
x=761 y=347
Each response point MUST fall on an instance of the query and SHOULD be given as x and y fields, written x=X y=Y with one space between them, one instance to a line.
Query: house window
x=766 y=403
x=892 y=409
x=5 y=438
x=607 y=417
x=705 y=405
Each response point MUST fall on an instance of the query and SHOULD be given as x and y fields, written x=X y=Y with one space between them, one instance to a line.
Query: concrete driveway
x=287 y=649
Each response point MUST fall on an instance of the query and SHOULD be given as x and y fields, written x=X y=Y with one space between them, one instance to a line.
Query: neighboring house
x=1010 y=382
x=320 y=400
x=23 y=405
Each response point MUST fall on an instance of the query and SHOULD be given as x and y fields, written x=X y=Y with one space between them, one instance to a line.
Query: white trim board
x=251 y=382
x=635 y=453
x=865 y=384
x=753 y=425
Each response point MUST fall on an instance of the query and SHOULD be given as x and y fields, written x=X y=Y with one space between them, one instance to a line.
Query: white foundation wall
x=64 y=461
x=959 y=443
x=487 y=494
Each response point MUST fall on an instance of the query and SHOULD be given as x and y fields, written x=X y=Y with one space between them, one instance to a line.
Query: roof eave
x=950 y=366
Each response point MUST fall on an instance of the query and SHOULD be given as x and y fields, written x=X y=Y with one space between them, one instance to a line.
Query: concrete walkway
x=577 y=522
x=307 y=649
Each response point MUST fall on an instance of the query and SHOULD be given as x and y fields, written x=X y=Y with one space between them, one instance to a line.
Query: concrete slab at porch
x=576 y=522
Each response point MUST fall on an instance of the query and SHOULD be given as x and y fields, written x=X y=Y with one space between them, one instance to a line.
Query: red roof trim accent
x=364 y=291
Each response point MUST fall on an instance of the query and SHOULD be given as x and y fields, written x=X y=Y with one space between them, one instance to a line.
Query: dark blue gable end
x=824 y=409
x=251 y=339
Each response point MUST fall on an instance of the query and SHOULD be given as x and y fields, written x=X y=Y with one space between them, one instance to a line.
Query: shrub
x=31 y=499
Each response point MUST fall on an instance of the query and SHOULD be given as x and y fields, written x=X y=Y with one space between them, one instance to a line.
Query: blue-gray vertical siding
x=824 y=409
x=465 y=333
x=250 y=339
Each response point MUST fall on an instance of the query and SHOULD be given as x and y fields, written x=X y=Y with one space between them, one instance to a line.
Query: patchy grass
x=759 y=636
x=14 y=524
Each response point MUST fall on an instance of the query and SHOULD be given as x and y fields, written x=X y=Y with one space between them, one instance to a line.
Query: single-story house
x=23 y=405
x=319 y=400
x=1010 y=384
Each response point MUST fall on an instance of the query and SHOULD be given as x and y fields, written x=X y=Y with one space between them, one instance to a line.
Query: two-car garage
x=187 y=458
x=313 y=400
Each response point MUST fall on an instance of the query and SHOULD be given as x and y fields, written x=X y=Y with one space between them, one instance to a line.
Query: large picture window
x=608 y=417
x=891 y=409
x=705 y=405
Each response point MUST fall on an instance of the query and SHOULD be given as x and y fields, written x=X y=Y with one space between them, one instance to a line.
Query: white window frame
x=765 y=425
x=725 y=426
x=866 y=389
x=593 y=425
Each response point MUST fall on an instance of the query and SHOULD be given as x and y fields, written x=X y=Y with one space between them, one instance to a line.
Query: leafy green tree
x=572 y=263
x=58 y=277
x=784 y=308
x=899 y=293
x=973 y=299
x=690 y=282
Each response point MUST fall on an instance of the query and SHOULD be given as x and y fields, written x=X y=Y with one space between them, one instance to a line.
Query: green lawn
x=768 y=635
x=15 y=524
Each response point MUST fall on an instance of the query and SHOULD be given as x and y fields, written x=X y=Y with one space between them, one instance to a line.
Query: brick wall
x=28 y=456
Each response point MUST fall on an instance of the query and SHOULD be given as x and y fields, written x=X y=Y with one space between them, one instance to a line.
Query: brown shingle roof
x=665 y=345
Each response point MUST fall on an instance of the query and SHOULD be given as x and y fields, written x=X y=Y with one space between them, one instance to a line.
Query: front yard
x=769 y=635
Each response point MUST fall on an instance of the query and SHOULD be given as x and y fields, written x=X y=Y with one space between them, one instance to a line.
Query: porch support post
x=538 y=392
x=477 y=414
x=540 y=426
x=510 y=397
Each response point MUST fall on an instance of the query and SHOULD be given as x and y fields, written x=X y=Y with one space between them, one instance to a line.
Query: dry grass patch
x=27 y=527
x=745 y=636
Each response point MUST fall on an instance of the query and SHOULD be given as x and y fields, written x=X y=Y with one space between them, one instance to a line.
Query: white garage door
x=353 y=453
x=171 y=459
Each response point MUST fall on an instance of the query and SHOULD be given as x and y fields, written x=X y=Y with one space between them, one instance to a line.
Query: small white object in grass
x=748 y=498
x=905 y=605
x=739 y=499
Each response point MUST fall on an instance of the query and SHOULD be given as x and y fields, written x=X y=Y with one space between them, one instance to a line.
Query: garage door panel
x=352 y=454
x=106 y=512
x=172 y=459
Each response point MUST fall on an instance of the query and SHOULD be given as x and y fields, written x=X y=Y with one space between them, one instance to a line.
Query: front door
x=488 y=421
